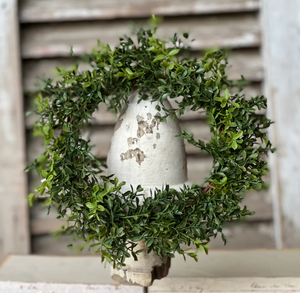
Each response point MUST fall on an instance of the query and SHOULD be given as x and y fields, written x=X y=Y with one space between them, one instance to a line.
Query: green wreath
x=93 y=204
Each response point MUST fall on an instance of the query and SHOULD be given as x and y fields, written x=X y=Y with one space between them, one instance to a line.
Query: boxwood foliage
x=94 y=205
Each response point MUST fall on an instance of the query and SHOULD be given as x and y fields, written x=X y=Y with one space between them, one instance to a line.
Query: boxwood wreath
x=93 y=204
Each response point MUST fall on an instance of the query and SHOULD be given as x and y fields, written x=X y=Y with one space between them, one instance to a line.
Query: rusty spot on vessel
x=154 y=146
x=157 y=136
x=136 y=153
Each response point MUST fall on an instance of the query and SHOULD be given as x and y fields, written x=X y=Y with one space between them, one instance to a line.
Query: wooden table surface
x=220 y=271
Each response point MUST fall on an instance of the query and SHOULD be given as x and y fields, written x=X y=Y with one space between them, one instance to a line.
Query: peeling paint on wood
x=281 y=24
x=70 y=10
x=44 y=40
x=14 y=232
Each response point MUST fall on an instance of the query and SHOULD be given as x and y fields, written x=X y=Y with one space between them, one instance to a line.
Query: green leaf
x=243 y=154
x=238 y=135
x=253 y=156
x=149 y=242
x=86 y=84
x=107 y=245
x=45 y=173
x=171 y=65
x=173 y=52
x=159 y=57
x=129 y=71
x=226 y=94
x=101 y=208
x=89 y=205
x=31 y=198
x=199 y=80
x=164 y=64
x=234 y=145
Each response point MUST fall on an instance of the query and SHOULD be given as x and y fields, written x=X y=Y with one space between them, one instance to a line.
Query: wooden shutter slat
x=55 y=40
x=76 y=10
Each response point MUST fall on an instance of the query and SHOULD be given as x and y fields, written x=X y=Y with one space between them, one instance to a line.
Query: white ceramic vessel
x=145 y=151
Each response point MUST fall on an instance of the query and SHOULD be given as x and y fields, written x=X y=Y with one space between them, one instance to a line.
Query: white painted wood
x=44 y=40
x=33 y=274
x=14 y=233
x=217 y=264
x=238 y=264
x=245 y=271
x=232 y=285
x=68 y=10
x=19 y=287
x=281 y=45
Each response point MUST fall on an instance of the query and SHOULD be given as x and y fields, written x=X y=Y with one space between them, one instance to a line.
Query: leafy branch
x=93 y=204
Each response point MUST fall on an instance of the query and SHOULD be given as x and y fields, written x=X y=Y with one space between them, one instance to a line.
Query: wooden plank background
x=14 y=229
x=282 y=63
x=50 y=28
x=68 y=10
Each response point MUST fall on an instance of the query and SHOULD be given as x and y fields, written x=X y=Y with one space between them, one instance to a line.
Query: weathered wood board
x=56 y=39
x=281 y=27
x=219 y=271
x=14 y=232
x=68 y=10
x=34 y=274
x=228 y=285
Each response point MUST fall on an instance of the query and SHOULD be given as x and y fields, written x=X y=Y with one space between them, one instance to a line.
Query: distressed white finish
x=70 y=10
x=144 y=271
x=145 y=151
x=14 y=234
x=281 y=43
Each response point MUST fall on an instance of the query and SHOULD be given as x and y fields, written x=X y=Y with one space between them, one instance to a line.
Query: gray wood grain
x=14 y=232
x=68 y=10
x=56 y=39
x=281 y=27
